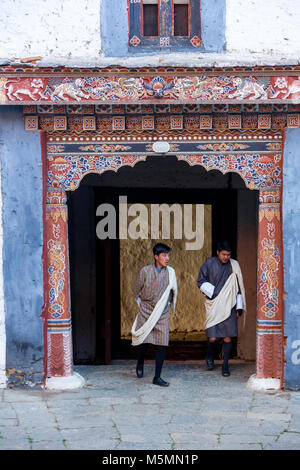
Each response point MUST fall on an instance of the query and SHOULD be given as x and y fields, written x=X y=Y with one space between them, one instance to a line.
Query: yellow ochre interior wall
x=188 y=323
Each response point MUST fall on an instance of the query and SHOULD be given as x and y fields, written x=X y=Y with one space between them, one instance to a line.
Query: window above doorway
x=161 y=24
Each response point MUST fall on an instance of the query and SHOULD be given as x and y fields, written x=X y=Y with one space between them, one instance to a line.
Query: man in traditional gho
x=155 y=290
x=220 y=279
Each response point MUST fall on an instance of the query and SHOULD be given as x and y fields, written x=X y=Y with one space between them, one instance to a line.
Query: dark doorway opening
x=95 y=264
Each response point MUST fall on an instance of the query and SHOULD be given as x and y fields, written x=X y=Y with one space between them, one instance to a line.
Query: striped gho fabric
x=149 y=287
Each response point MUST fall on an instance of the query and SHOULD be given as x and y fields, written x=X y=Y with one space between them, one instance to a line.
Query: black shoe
x=159 y=381
x=210 y=364
x=139 y=372
x=225 y=370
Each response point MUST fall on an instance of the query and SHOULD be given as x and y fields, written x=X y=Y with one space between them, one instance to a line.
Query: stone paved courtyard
x=200 y=410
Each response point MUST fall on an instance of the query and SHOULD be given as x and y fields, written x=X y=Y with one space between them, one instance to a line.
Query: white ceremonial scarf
x=141 y=334
x=219 y=309
x=237 y=270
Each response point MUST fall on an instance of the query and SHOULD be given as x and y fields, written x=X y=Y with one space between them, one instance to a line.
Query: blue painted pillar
x=21 y=168
x=291 y=243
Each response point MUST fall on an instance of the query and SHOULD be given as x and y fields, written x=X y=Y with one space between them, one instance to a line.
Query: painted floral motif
x=223 y=147
x=53 y=148
x=196 y=41
x=67 y=171
x=56 y=256
x=134 y=41
x=268 y=282
x=255 y=173
x=258 y=170
x=159 y=87
x=102 y=163
x=274 y=146
x=105 y=148
x=164 y=41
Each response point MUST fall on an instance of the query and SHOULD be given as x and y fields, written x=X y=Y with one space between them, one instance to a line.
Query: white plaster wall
x=2 y=306
x=263 y=26
x=67 y=32
x=58 y=30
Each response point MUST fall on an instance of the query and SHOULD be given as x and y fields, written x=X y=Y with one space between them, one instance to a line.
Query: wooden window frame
x=166 y=38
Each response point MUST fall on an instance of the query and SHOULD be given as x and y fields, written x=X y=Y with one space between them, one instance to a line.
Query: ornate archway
x=255 y=156
x=92 y=120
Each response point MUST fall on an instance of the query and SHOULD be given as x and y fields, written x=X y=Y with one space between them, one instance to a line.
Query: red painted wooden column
x=269 y=354
x=57 y=302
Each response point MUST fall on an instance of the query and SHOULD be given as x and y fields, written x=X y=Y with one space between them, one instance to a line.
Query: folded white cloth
x=208 y=289
x=239 y=302
x=219 y=309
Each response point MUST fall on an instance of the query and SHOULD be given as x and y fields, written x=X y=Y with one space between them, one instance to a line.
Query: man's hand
x=239 y=313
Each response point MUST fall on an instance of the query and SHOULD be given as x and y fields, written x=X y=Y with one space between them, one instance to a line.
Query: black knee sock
x=159 y=359
x=211 y=350
x=141 y=350
x=226 y=351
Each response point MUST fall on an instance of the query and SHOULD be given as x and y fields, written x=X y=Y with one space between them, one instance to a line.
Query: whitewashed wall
x=263 y=26
x=60 y=31
x=68 y=33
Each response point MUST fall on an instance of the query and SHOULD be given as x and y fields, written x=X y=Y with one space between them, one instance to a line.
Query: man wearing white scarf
x=155 y=290
x=220 y=279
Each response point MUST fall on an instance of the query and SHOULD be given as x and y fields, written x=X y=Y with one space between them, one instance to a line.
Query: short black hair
x=160 y=248
x=224 y=245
